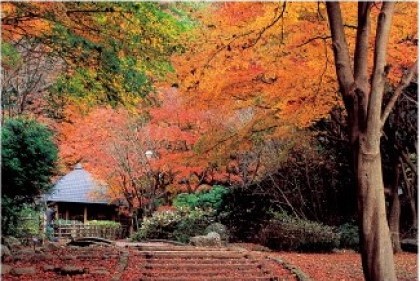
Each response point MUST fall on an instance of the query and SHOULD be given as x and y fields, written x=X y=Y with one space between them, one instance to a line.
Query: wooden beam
x=85 y=215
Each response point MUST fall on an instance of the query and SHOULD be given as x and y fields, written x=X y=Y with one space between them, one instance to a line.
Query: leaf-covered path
x=161 y=261
x=344 y=265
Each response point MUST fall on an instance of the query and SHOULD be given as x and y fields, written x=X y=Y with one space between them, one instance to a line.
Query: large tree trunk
x=376 y=248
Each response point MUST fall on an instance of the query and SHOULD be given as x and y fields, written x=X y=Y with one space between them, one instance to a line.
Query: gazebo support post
x=85 y=215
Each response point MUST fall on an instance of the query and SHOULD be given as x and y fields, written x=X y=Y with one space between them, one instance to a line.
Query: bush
x=64 y=221
x=211 y=199
x=349 y=236
x=178 y=225
x=27 y=220
x=245 y=213
x=111 y=224
x=292 y=234
x=192 y=225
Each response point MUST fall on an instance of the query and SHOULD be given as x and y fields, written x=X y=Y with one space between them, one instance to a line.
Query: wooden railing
x=72 y=230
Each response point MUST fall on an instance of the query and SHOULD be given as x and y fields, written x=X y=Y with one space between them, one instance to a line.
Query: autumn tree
x=112 y=52
x=366 y=118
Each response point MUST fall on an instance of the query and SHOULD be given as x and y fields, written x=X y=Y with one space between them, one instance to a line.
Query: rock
x=25 y=252
x=99 y=271
x=47 y=268
x=23 y=255
x=50 y=246
x=72 y=270
x=4 y=251
x=41 y=257
x=23 y=270
x=409 y=245
x=5 y=269
x=68 y=257
x=211 y=239
x=12 y=242
x=220 y=229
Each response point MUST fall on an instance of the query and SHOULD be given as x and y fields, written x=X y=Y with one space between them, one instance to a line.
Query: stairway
x=190 y=263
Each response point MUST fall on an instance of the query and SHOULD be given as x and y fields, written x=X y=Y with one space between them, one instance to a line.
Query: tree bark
x=395 y=210
x=410 y=196
x=376 y=248
x=363 y=105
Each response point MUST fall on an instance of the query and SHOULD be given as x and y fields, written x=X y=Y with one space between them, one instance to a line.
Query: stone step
x=181 y=248
x=192 y=254
x=249 y=278
x=185 y=263
x=206 y=273
x=181 y=261
x=200 y=266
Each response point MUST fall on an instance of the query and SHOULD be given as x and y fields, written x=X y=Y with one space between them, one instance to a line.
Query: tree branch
x=361 y=58
x=265 y=28
x=341 y=53
x=405 y=81
x=320 y=37
x=374 y=124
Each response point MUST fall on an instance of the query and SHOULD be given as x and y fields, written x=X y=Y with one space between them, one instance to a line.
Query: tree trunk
x=376 y=248
x=411 y=199
x=413 y=209
x=395 y=210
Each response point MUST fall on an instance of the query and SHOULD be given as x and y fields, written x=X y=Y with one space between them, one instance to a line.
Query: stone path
x=143 y=261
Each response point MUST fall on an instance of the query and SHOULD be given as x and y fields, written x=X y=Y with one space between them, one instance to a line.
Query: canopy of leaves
x=113 y=51
x=255 y=57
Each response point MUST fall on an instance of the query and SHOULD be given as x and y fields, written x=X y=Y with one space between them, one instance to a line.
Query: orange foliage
x=254 y=71
x=112 y=144
x=16 y=24
x=277 y=60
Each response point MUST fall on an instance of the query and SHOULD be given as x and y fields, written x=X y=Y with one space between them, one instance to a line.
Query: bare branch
x=320 y=37
x=265 y=28
x=405 y=81
x=254 y=41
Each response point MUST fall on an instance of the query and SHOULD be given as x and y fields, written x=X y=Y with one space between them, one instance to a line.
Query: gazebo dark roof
x=78 y=186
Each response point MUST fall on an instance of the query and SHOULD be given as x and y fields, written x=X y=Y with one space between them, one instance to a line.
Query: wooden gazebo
x=78 y=196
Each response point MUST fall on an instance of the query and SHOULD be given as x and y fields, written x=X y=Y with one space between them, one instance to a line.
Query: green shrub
x=178 y=225
x=349 y=236
x=211 y=199
x=112 y=224
x=189 y=226
x=64 y=221
x=28 y=221
x=245 y=212
x=292 y=234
